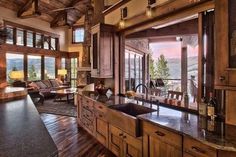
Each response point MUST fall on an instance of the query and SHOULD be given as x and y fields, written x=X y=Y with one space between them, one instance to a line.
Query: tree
x=152 y=69
x=162 y=69
x=32 y=73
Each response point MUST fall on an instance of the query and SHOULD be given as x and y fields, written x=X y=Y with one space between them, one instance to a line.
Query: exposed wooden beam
x=185 y=28
x=61 y=19
x=29 y=9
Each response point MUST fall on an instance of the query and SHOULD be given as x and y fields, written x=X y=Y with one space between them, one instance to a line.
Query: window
x=19 y=37
x=29 y=37
x=50 y=67
x=53 y=44
x=34 y=68
x=46 y=42
x=38 y=41
x=133 y=70
x=14 y=62
x=78 y=35
x=63 y=63
x=73 y=72
x=9 y=39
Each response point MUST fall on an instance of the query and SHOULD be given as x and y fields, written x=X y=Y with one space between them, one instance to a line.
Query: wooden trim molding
x=33 y=51
x=167 y=14
x=30 y=28
x=115 y=6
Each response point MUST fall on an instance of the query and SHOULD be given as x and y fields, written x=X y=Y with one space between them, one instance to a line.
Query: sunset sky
x=171 y=50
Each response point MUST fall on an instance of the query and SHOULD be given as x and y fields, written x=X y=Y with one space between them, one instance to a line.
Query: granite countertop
x=22 y=132
x=223 y=137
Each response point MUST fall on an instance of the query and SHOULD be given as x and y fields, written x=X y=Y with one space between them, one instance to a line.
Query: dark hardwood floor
x=72 y=141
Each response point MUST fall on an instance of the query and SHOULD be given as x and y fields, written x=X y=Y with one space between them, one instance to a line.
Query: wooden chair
x=175 y=95
x=154 y=91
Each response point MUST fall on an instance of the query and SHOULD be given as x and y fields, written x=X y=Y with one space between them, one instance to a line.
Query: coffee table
x=64 y=92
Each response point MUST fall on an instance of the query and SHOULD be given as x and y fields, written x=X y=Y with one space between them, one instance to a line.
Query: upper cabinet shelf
x=102 y=51
x=225 y=44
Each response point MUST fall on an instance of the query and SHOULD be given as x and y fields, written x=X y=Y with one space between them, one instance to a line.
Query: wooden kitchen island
x=163 y=133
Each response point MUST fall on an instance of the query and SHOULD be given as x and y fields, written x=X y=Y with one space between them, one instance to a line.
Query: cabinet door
x=188 y=155
x=101 y=131
x=132 y=146
x=158 y=148
x=116 y=141
x=106 y=54
x=79 y=109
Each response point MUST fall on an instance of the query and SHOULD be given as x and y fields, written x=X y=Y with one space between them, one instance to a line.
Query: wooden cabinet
x=159 y=142
x=101 y=124
x=194 y=148
x=225 y=44
x=87 y=115
x=102 y=51
x=124 y=145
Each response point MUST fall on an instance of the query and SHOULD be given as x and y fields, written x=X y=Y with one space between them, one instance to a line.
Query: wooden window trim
x=73 y=35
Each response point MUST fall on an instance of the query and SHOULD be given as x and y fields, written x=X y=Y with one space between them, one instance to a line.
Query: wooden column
x=2 y=68
x=200 y=93
x=25 y=67
x=42 y=67
x=184 y=68
x=98 y=9
x=122 y=63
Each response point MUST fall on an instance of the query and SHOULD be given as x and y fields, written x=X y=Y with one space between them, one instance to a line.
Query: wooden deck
x=72 y=141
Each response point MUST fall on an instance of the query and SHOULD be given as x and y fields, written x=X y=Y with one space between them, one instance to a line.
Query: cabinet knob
x=121 y=134
x=222 y=78
x=159 y=133
x=124 y=136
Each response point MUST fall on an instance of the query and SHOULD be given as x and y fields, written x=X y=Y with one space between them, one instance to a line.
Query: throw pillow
x=54 y=83
x=41 y=85
x=34 y=85
x=47 y=83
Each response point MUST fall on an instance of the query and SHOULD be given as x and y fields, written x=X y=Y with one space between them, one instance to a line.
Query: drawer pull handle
x=100 y=115
x=124 y=136
x=222 y=78
x=100 y=107
x=121 y=134
x=199 y=150
x=159 y=133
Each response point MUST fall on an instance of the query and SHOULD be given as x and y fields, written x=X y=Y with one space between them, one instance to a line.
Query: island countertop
x=22 y=132
x=223 y=137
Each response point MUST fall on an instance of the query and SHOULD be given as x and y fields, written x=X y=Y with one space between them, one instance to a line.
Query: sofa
x=46 y=86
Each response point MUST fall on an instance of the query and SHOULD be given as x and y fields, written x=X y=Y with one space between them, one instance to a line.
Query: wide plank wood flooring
x=72 y=141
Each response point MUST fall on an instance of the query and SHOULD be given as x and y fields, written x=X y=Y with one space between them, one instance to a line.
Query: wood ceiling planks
x=48 y=8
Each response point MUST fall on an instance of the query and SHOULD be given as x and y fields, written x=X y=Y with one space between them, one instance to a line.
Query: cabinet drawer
x=167 y=136
x=87 y=104
x=87 y=114
x=88 y=124
x=196 y=148
x=100 y=107
x=100 y=115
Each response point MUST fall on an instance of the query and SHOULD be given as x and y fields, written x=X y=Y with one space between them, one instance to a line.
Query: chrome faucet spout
x=136 y=88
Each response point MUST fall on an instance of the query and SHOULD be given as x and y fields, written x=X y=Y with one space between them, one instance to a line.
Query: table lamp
x=62 y=73
x=17 y=76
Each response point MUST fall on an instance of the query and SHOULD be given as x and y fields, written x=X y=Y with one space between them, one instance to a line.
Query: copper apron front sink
x=124 y=116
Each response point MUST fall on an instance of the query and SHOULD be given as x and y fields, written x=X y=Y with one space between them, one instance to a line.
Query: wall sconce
x=124 y=14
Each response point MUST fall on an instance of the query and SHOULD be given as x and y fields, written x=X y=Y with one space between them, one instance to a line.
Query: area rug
x=57 y=107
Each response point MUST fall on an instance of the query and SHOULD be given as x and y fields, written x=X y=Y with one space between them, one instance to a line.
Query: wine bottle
x=203 y=107
x=211 y=106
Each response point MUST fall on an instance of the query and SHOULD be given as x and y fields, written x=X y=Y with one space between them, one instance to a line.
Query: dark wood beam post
x=200 y=58
x=2 y=68
x=42 y=67
x=98 y=16
x=30 y=4
x=184 y=68
x=25 y=67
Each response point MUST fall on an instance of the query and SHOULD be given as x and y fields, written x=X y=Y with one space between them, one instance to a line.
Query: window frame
x=73 y=34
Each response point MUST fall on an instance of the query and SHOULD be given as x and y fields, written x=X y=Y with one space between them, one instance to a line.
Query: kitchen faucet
x=144 y=87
